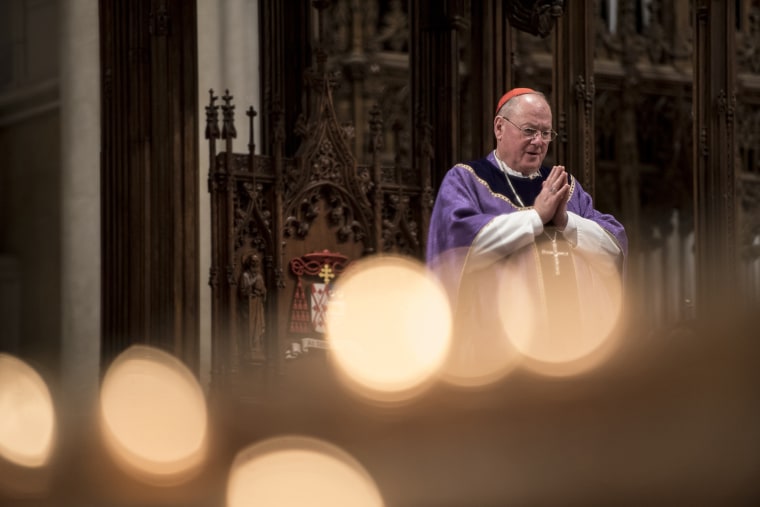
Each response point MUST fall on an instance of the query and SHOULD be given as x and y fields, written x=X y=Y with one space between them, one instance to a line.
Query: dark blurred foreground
x=670 y=419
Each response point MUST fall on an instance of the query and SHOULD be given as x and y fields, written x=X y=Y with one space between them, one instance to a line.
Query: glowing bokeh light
x=293 y=471
x=27 y=415
x=572 y=336
x=389 y=328
x=479 y=353
x=153 y=416
x=479 y=359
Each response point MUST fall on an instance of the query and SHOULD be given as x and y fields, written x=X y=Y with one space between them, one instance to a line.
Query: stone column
x=80 y=199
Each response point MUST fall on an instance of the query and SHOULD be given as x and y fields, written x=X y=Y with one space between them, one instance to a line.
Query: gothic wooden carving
x=274 y=216
x=352 y=168
x=535 y=17
x=714 y=97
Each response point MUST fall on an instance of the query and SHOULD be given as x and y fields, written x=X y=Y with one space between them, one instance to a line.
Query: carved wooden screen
x=625 y=111
x=269 y=212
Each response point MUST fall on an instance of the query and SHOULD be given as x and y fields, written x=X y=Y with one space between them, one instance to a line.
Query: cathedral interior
x=184 y=185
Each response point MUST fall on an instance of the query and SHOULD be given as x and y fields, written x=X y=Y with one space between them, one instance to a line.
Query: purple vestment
x=472 y=195
x=469 y=198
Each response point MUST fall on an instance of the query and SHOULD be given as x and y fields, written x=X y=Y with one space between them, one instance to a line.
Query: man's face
x=518 y=151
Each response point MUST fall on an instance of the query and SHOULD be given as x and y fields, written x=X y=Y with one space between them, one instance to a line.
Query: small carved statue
x=253 y=293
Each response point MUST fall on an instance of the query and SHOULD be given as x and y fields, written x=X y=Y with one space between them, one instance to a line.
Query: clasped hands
x=551 y=202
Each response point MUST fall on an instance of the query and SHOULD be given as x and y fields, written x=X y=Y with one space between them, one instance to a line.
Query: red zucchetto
x=514 y=92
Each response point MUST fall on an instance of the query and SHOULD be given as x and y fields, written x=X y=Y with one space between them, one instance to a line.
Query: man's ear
x=498 y=127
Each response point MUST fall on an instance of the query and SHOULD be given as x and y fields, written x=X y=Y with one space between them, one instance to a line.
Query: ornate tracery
x=395 y=97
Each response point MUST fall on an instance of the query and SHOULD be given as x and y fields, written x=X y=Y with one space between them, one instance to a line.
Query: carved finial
x=228 y=117
x=251 y=115
x=212 y=117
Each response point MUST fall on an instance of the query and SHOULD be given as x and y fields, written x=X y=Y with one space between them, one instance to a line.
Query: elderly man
x=526 y=259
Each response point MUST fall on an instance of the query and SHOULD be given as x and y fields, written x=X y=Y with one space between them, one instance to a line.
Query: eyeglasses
x=530 y=133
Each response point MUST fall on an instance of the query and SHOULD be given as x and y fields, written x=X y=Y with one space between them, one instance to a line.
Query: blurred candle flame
x=293 y=471
x=389 y=328
x=153 y=416
x=27 y=416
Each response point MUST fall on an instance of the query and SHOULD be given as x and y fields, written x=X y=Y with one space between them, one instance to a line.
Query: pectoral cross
x=555 y=252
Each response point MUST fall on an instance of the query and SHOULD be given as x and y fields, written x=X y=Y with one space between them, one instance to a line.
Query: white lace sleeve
x=502 y=236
